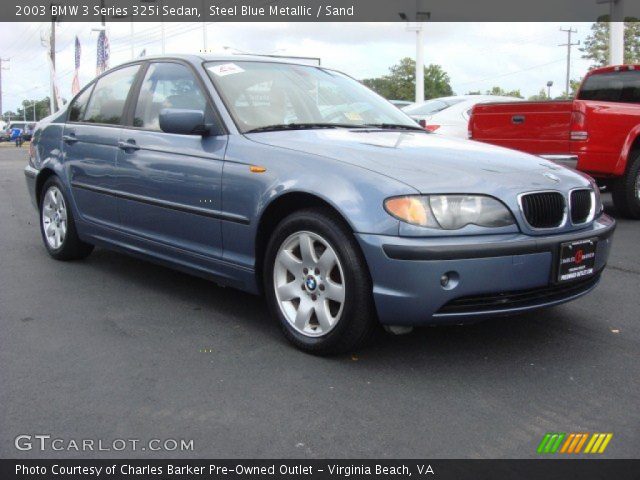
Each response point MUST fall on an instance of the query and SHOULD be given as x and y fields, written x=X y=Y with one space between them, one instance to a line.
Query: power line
x=510 y=73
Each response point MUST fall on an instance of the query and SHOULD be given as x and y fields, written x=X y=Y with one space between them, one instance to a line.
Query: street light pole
x=616 y=33
x=420 y=63
x=421 y=17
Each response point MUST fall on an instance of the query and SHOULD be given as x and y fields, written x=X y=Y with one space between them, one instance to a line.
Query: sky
x=476 y=56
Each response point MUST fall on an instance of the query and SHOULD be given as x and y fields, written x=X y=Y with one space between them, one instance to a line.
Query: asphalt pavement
x=115 y=348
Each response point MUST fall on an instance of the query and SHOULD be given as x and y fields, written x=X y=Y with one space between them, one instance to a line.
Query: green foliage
x=596 y=45
x=504 y=93
x=42 y=110
x=540 y=96
x=399 y=83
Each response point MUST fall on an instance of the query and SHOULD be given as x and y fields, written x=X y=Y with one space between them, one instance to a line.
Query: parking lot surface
x=116 y=348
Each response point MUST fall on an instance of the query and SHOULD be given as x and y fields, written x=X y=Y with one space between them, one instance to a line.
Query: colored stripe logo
x=555 y=442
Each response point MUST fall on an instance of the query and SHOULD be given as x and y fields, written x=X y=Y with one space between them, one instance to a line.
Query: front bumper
x=494 y=274
x=30 y=175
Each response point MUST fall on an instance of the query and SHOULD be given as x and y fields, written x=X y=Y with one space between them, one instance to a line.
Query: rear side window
x=109 y=96
x=167 y=85
x=431 y=106
x=79 y=105
x=612 y=87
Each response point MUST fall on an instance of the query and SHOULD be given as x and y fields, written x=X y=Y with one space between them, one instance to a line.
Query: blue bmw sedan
x=299 y=183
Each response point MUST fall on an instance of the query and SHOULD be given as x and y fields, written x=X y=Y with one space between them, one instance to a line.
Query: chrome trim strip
x=230 y=217
x=565 y=160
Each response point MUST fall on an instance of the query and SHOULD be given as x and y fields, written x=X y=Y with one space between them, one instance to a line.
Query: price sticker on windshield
x=353 y=116
x=226 y=69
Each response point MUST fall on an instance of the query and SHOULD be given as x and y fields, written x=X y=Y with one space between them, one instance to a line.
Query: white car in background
x=450 y=115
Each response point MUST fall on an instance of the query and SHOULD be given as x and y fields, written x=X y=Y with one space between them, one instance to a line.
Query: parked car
x=401 y=103
x=27 y=130
x=597 y=133
x=450 y=115
x=226 y=168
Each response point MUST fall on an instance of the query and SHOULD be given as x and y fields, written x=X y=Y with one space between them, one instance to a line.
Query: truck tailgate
x=532 y=127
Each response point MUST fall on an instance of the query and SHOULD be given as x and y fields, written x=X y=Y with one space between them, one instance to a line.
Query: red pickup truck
x=597 y=133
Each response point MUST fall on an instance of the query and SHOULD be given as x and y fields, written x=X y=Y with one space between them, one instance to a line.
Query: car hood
x=430 y=163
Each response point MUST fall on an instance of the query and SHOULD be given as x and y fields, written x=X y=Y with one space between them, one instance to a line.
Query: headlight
x=449 y=212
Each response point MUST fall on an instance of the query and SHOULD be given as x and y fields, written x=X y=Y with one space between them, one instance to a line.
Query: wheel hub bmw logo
x=311 y=283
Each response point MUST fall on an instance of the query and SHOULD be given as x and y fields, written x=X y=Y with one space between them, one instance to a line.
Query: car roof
x=197 y=59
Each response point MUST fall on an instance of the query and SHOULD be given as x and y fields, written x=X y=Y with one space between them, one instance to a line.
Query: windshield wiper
x=394 y=126
x=300 y=126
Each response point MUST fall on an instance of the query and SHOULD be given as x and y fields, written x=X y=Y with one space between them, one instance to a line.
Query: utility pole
x=569 y=32
x=52 y=54
x=2 y=68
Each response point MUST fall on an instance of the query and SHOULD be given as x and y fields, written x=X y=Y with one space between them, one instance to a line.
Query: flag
x=75 y=84
x=102 y=63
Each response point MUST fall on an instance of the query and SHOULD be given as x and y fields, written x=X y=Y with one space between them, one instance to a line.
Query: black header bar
x=312 y=10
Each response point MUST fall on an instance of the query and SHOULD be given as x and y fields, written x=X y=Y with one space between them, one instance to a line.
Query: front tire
x=317 y=283
x=57 y=224
x=626 y=190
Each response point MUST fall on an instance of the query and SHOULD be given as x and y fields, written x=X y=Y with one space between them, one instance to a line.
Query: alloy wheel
x=54 y=217
x=309 y=284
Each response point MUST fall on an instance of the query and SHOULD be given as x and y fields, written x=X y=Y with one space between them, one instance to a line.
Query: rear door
x=90 y=144
x=170 y=184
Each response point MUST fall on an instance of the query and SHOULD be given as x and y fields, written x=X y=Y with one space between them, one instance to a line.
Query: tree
x=42 y=109
x=596 y=45
x=399 y=83
x=542 y=95
x=499 y=91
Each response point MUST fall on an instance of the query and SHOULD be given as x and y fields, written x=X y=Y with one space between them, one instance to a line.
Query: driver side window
x=167 y=85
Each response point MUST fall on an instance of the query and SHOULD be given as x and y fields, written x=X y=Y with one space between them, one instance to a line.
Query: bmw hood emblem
x=551 y=177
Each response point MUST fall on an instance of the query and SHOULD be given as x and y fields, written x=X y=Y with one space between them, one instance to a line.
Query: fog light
x=450 y=280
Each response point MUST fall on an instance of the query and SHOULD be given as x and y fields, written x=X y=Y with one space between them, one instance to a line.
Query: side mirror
x=185 y=122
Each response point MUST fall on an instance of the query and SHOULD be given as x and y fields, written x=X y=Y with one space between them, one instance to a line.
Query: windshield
x=612 y=87
x=430 y=107
x=263 y=94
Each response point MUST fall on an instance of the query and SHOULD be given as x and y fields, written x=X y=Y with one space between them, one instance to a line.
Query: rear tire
x=626 y=190
x=57 y=225
x=317 y=283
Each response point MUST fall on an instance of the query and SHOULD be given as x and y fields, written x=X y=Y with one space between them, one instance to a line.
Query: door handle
x=517 y=119
x=129 y=145
x=69 y=138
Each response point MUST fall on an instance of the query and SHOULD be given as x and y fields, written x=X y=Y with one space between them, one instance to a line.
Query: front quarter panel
x=356 y=193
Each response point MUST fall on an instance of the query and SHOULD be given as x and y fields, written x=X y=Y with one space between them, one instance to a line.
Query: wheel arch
x=42 y=177
x=631 y=146
x=278 y=209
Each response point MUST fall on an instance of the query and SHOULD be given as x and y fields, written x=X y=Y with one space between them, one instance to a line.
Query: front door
x=170 y=184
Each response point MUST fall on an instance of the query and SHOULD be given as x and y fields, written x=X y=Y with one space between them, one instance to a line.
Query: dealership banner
x=314 y=10
x=320 y=469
